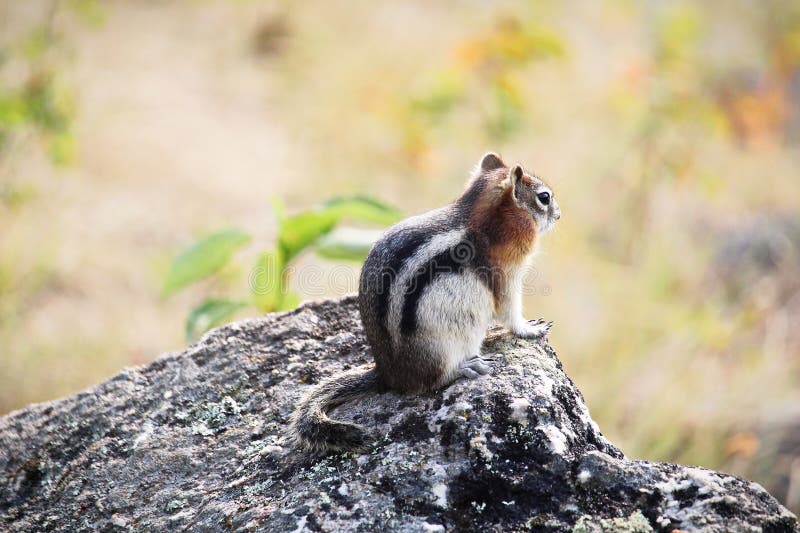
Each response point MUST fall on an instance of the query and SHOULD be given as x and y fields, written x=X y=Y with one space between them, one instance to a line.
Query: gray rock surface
x=193 y=441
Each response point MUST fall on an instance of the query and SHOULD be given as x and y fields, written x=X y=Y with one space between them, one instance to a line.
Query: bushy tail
x=310 y=427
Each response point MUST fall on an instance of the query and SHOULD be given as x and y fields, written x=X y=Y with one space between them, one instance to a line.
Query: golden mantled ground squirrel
x=429 y=290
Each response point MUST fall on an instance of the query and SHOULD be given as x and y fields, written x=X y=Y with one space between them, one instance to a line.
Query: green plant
x=312 y=230
x=486 y=75
x=33 y=96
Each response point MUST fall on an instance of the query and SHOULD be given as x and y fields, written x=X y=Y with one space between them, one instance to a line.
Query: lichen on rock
x=195 y=440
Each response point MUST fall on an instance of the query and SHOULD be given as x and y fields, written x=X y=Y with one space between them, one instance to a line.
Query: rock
x=195 y=441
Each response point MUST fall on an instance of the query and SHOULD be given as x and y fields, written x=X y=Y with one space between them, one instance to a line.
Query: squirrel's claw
x=535 y=329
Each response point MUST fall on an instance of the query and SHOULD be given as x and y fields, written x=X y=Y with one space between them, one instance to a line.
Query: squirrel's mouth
x=548 y=225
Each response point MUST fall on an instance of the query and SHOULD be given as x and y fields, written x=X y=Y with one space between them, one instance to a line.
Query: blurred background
x=670 y=132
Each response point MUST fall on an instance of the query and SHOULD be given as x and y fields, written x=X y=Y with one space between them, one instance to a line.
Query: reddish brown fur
x=508 y=228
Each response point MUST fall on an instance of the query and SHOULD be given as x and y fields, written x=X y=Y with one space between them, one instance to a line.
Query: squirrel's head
x=528 y=192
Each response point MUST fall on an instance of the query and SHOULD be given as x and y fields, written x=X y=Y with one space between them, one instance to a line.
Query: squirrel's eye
x=544 y=197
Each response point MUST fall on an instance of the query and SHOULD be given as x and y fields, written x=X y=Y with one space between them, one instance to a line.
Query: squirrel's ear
x=515 y=176
x=514 y=179
x=491 y=161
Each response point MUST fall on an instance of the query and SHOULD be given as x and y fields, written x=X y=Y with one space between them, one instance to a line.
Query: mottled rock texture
x=193 y=442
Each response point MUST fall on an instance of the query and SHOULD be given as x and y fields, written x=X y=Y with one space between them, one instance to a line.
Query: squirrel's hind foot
x=476 y=366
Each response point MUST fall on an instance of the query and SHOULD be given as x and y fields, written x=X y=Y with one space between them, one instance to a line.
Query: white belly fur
x=453 y=315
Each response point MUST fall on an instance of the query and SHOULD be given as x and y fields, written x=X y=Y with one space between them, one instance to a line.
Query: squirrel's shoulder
x=406 y=238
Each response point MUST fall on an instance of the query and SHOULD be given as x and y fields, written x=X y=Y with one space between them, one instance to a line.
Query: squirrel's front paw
x=532 y=328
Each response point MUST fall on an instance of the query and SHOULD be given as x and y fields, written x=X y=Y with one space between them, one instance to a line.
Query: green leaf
x=441 y=97
x=349 y=244
x=92 y=12
x=209 y=314
x=203 y=258
x=278 y=207
x=46 y=106
x=36 y=43
x=299 y=231
x=679 y=31
x=545 y=43
x=63 y=148
x=505 y=116
x=304 y=229
x=12 y=110
x=267 y=283
x=363 y=208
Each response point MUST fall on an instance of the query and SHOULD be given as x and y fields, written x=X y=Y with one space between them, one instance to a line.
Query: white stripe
x=437 y=244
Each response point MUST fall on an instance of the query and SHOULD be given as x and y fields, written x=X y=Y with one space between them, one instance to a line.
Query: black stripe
x=391 y=268
x=467 y=254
